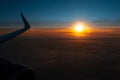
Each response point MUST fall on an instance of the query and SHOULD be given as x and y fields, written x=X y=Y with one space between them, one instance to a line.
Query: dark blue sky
x=60 y=12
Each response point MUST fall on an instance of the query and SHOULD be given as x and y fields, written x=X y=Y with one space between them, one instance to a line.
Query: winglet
x=11 y=35
x=27 y=25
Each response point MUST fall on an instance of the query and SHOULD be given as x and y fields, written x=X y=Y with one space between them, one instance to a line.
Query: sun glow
x=80 y=29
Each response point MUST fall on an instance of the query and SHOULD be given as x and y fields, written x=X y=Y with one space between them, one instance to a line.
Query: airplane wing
x=11 y=35
x=10 y=71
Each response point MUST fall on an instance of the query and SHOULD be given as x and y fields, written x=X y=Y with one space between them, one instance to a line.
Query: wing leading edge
x=11 y=35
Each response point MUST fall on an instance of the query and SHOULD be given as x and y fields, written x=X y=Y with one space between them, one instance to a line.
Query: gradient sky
x=60 y=12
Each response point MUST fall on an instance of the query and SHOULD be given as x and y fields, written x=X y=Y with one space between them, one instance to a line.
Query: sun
x=79 y=28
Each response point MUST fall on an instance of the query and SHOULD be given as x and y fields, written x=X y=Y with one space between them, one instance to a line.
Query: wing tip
x=27 y=25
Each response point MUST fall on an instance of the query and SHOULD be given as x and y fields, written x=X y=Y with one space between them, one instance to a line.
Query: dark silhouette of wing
x=16 y=33
x=11 y=71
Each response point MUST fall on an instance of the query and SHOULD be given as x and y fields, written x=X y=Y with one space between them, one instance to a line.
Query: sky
x=60 y=13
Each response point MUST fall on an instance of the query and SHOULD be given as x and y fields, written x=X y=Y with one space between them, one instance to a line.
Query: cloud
x=106 y=23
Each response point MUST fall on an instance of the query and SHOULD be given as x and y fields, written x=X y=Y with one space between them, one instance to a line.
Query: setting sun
x=79 y=28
